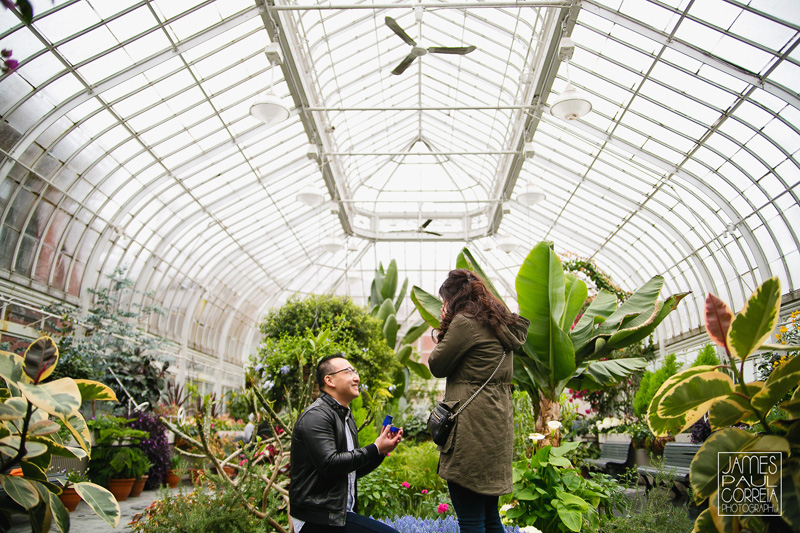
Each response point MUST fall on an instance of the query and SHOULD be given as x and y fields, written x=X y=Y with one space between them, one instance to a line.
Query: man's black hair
x=324 y=367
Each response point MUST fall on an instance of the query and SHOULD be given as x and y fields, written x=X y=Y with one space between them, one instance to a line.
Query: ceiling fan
x=417 y=51
x=420 y=229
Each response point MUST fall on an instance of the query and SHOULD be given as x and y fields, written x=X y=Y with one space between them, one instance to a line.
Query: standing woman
x=475 y=330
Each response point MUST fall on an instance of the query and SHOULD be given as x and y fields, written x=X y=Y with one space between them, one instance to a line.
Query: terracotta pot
x=69 y=498
x=172 y=479
x=196 y=473
x=231 y=471
x=120 y=488
x=138 y=486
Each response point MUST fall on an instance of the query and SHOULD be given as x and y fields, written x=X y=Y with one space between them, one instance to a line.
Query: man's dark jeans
x=477 y=513
x=355 y=524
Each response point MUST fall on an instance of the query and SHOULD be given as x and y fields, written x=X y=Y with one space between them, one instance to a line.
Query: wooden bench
x=677 y=463
x=614 y=456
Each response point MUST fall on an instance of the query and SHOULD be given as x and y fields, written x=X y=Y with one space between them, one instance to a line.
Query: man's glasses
x=350 y=370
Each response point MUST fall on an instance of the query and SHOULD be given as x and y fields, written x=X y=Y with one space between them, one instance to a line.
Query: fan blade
x=400 y=31
x=432 y=233
x=425 y=224
x=404 y=64
x=459 y=50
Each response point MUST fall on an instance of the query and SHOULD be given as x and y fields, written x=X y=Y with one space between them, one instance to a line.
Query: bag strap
x=480 y=389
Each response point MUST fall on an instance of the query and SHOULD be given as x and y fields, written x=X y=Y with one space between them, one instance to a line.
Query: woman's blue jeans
x=477 y=513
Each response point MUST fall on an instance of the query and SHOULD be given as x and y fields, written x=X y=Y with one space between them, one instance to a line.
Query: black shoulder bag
x=442 y=418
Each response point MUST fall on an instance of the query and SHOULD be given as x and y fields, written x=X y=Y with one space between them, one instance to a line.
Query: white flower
x=535 y=436
x=554 y=424
x=530 y=529
x=507 y=506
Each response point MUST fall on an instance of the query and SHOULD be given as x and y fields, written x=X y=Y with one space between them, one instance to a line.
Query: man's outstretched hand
x=388 y=441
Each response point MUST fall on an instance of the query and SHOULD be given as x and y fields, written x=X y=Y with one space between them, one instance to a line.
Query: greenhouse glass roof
x=127 y=141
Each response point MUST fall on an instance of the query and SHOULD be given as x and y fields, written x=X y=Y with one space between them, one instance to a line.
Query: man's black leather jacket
x=320 y=463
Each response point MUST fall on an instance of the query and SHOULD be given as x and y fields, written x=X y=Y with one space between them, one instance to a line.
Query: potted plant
x=69 y=496
x=177 y=467
x=118 y=467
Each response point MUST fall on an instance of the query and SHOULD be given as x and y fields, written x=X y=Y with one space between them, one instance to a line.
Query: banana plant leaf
x=594 y=375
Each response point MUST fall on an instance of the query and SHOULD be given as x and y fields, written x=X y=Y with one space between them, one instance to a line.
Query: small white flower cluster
x=530 y=529
x=608 y=423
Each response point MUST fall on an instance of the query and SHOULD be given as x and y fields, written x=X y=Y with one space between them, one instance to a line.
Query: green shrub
x=553 y=496
x=706 y=356
x=200 y=511
x=651 y=382
x=286 y=357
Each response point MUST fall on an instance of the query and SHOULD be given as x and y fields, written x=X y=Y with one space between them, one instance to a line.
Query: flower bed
x=409 y=524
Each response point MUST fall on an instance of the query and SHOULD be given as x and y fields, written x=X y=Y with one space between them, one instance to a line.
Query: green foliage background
x=652 y=381
x=285 y=357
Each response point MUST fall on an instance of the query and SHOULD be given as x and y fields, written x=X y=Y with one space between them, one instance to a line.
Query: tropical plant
x=552 y=495
x=561 y=349
x=652 y=381
x=29 y=438
x=685 y=397
x=384 y=301
x=115 y=340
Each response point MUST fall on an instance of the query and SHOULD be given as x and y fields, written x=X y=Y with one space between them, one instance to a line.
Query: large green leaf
x=659 y=425
x=390 y=328
x=11 y=370
x=718 y=320
x=389 y=285
x=428 y=305
x=43 y=427
x=100 y=500
x=593 y=375
x=704 y=477
x=753 y=325
x=398 y=301
x=59 y=512
x=575 y=294
x=540 y=288
x=782 y=380
x=20 y=490
x=472 y=264
x=59 y=398
x=403 y=354
x=640 y=301
x=94 y=390
x=729 y=411
x=13 y=409
x=40 y=359
x=571 y=518
x=603 y=305
x=695 y=393
x=641 y=326
x=415 y=332
x=419 y=369
x=386 y=309
x=10 y=445
x=375 y=298
x=77 y=426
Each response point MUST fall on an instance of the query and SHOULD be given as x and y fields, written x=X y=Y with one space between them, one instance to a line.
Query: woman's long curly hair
x=465 y=292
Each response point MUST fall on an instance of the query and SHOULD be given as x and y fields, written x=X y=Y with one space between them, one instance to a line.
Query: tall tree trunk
x=548 y=411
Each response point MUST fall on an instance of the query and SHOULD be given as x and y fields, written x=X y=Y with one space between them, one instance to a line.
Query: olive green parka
x=479 y=451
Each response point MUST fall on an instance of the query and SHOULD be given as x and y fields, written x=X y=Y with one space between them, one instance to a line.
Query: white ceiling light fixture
x=331 y=244
x=268 y=108
x=571 y=104
x=310 y=196
x=507 y=244
x=530 y=196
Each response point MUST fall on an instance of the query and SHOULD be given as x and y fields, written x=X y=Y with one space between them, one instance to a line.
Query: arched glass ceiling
x=126 y=141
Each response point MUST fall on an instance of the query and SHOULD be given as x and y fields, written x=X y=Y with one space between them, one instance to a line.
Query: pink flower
x=443 y=507
x=405 y=484
x=424 y=491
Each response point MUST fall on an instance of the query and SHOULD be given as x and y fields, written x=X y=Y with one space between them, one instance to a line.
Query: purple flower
x=10 y=65
x=285 y=369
